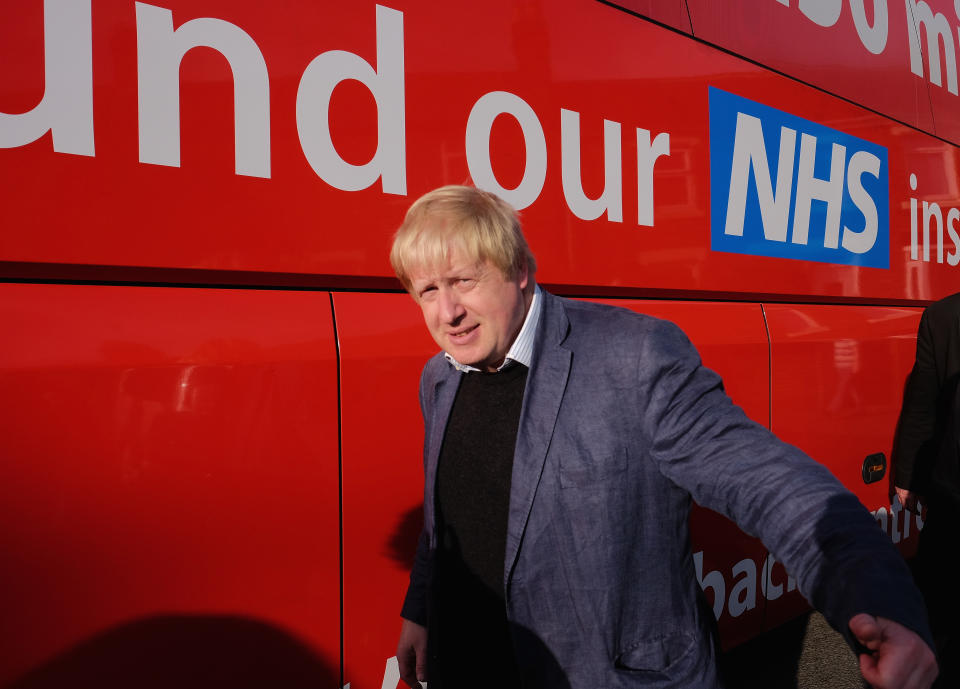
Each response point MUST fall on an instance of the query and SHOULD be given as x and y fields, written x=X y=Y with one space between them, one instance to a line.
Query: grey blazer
x=621 y=426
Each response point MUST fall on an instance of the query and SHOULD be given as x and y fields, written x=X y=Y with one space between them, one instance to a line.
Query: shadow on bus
x=186 y=652
x=402 y=545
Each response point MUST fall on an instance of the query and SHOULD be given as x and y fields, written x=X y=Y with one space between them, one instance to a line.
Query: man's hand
x=412 y=653
x=898 y=658
x=907 y=498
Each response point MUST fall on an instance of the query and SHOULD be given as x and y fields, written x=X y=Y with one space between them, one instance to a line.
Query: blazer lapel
x=546 y=382
x=444 y=392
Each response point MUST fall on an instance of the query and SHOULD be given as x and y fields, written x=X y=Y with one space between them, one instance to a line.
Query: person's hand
x=897 y=659
x=908 y=498
x=412 y=653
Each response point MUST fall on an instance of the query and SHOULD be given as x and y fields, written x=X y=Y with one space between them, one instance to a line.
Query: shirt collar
x=521 y=351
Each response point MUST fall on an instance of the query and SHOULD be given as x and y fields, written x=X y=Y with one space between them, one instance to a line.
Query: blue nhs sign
x=787 y=187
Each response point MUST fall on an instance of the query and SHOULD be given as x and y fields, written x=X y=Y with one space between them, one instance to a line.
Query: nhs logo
x=787 y=187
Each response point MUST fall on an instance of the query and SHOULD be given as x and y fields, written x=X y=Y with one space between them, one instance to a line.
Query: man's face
x=472 y=310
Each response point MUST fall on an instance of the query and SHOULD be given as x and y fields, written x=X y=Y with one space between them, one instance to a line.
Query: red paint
x=382 y=470
x=170 y=468
x=830 y=400
x=673 y=13
x=172 y=454
x=834 y=57
x=202 y=215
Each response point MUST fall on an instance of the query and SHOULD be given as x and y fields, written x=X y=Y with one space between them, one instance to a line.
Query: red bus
x=209 y=436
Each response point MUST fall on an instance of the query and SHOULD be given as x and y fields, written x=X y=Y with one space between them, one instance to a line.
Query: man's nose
x=451 y=310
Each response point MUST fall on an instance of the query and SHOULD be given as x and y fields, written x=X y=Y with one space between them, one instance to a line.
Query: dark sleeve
x=945 y=475
x=918 y=417
x=843 y=563
x=415 y=602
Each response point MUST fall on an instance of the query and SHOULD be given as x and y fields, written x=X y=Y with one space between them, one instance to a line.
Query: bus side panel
x=577 y=102
x=830 y=56
x=946 y=112
x=838 y=377
x=938 y=60
x=168 y=487
x=673 y=13
x=383 y=347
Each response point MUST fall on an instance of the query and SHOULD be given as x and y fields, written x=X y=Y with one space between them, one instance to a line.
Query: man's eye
x=427 y=292
x=466 y=283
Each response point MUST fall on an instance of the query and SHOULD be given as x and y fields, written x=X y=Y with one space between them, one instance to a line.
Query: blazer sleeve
x=820 y=531
x=415 y=606
x=918 y=417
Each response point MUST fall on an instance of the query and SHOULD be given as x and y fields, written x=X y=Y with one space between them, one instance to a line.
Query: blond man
x=563 y=444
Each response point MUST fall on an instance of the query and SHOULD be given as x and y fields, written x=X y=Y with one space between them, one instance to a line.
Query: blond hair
x=477 y=224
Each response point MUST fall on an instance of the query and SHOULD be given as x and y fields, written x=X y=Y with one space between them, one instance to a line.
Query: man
x=563 y=444
x=925 y=464
x=926 y=400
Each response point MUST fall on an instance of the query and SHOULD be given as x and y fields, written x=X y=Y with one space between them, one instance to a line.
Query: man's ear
x=523 y=275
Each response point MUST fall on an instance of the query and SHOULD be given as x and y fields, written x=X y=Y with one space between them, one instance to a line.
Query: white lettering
x=937 y=29
x=749 y=153
x=822 y=12
x=713 y=580
x=391 y=674
x=160 y=50
x=647 y=155
x=932 y=211
x=881 y=516
x=889 y=521
x=861 y=242
x=826 y=13
x=480 y=122
x=810 y=188
x=386 y=83
x=66 y=108
x=920 y=229
x=770 y=590
x=611 y=200
x=743 y=593
x=906 y=516
x=874 y=38
x=953 y=258
x=895 y=509
x=914 y=240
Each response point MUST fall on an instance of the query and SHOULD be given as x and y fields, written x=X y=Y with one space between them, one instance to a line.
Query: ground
x=804 y=654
